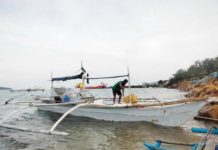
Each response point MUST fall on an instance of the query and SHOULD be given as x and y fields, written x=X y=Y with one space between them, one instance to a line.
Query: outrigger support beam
x=28 y=130
x=64 y=115
x=34 y=131
x=3 y=120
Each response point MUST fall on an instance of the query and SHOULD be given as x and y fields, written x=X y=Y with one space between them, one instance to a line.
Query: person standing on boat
x=116 y=89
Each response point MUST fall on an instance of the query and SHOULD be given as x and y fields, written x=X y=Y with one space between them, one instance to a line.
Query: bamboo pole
x=34 y=131
x=64 y=115
x=205 y=118
x=3 y=120
x=59 y=104
x=129 y=86
x=172 y=103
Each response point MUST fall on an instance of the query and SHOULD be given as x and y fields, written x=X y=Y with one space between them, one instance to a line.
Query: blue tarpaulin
x=79 y=76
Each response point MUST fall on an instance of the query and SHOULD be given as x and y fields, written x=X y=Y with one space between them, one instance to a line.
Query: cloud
x=154 y=38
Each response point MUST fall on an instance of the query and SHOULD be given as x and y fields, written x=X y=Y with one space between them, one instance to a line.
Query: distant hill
x=5 y=88
x=197 y=71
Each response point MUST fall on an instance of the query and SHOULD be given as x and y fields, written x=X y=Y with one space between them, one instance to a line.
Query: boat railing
x=151 y=99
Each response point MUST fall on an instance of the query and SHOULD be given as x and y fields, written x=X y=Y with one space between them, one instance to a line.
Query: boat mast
x=83 y=82
x=129 y=85
x=83 y=77
x=51 y=80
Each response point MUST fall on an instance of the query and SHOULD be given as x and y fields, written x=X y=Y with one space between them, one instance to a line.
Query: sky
x=153 y=38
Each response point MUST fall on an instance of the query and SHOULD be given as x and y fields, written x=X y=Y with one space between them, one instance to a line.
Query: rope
x=99 y=92
x=86 y=91
x=158 y=101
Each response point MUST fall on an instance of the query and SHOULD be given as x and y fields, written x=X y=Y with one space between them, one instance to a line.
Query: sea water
x=87 y=133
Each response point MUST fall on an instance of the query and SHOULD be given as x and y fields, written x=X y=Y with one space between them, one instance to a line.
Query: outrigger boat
x=82 y=104
x=172 y=114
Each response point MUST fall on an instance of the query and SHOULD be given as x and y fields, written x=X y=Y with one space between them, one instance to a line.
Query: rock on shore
x=208 y=89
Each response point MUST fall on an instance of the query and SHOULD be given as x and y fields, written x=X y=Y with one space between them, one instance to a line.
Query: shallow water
x=91 y=134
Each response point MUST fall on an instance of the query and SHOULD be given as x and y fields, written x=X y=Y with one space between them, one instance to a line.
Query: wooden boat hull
x=172 y=115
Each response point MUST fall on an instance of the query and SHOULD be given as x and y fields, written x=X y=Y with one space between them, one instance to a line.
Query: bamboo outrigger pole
x=64 y=115
x=8 y=116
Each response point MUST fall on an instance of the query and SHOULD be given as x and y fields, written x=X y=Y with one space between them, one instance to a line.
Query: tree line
x=196 y=71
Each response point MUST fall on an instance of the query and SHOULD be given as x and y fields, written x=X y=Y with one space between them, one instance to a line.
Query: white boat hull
x=172 y=115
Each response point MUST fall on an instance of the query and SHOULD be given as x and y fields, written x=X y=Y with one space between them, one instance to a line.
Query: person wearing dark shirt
x=116 y=89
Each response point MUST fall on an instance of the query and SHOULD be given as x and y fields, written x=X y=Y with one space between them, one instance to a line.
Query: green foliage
x=198 y=70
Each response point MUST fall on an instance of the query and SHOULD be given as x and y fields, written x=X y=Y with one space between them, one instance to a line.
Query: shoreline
x=208 y=89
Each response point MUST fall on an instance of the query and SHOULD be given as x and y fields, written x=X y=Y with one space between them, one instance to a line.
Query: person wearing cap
x=116 y=89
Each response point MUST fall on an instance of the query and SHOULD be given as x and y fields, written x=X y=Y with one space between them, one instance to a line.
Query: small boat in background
x=101 y=86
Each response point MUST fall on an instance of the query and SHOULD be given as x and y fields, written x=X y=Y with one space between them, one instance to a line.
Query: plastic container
x=66 y=98
x=131 y=98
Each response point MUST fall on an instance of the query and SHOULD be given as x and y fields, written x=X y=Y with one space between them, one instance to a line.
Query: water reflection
x=88 y=134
